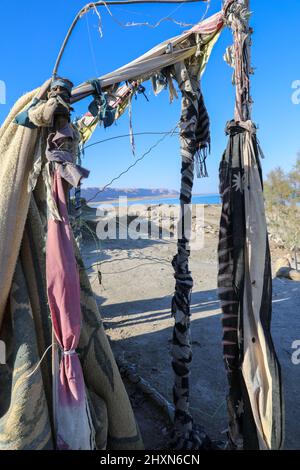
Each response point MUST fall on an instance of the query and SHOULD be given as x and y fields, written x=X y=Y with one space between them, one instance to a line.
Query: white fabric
x=255 y=369
x=165 y=54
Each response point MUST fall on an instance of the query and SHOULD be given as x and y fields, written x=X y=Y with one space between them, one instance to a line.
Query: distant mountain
x=115 y=193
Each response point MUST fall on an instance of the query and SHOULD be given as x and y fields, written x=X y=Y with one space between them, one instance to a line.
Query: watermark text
x=296 y=93
x=296 y=353
x=2 y=92
x=122 y=221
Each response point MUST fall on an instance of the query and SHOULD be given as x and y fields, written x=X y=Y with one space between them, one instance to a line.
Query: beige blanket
x=25 y=386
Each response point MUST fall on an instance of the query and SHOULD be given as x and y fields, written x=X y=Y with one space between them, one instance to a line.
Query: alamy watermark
x=296 y=353
x=2 y=92
x=296 y=93
x=2 y=353
x=121 y=221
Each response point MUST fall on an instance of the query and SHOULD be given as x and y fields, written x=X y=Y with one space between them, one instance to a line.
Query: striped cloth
x=186 y=435
x=255 y=403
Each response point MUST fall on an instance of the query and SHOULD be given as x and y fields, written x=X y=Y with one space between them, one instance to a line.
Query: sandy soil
x=134 y=297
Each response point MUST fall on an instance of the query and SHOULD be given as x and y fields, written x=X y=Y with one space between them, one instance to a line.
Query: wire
x=145 y=23
x=162 y=20
x=132 y=268
x=90 y=6
x=134 y=164
x=127 y=135
x=92 y=46
x=164 y=261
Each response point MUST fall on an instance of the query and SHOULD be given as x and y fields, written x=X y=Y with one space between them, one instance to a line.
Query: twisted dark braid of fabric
x=185 y=435
x=182 y=353
x=229 y=301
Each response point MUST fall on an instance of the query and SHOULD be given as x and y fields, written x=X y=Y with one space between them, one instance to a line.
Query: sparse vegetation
x=282 y=194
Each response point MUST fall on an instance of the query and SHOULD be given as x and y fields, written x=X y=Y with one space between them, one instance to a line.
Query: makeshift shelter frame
x=185 y=434
x=182 y=58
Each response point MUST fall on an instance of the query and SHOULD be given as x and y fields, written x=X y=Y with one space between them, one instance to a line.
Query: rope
x=39 y=363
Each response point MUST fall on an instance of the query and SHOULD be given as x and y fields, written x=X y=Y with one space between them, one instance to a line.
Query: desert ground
x=134 y=292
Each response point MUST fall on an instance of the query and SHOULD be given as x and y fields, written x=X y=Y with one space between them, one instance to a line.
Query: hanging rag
x=72 y=417
x=255 y=401
x=159 y=82
x=60 y=149
x=86 y=126
x=100 y=106
x=194 y=122
x=131 y=133
x=202 y=138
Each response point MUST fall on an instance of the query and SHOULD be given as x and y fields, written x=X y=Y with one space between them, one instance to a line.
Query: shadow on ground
x=141 y=332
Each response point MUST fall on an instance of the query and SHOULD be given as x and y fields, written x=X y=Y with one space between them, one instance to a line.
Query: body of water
x=201 y=199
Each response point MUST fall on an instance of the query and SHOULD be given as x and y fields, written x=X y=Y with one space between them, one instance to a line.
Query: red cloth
x=64 y=300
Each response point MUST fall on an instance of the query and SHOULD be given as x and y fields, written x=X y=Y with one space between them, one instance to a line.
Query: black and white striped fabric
x=186 y=435
x=245 y=290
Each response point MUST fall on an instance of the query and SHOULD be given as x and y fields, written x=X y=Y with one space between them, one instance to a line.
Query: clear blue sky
x=31 y=34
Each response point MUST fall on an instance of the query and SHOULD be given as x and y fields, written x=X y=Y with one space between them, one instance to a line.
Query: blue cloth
x=99 y=107
x=22 y=119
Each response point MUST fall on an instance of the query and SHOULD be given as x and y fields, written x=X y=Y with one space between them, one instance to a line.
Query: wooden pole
x=238 y=14
x=247 y=111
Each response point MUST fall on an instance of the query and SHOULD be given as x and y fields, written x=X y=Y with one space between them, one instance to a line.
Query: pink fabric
x=64 y=301
x=210 y=25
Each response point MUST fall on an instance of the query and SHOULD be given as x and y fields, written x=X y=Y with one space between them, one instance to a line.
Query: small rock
x=294 y=275
x=281 y=266
x=283 y=272
x=288 y=273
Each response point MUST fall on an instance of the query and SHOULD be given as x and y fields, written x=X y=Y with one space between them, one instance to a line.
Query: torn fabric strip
x=255 y=402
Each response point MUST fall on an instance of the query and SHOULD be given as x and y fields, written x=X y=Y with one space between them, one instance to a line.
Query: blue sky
x=31 y=34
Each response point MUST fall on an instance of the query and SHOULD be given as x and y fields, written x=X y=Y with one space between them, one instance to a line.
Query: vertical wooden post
x=238 y=19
